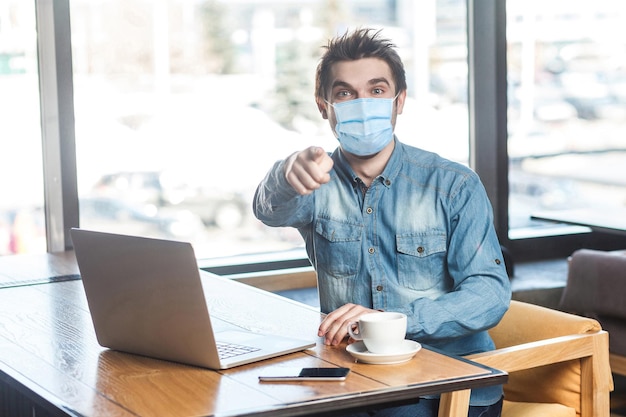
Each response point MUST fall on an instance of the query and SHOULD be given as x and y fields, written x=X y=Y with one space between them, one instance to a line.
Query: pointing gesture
x=307 y=170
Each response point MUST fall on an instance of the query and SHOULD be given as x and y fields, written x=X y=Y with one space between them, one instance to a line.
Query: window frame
x=54 y=50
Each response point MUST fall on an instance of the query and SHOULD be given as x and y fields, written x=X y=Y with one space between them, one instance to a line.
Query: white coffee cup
x=382 y=332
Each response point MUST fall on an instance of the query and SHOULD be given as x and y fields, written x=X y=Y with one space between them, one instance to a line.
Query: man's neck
x=367 y=168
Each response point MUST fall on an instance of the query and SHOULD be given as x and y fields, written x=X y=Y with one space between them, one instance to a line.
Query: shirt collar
x=388 y=175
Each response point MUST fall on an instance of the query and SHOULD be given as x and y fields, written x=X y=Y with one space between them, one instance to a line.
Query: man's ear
x=321 y=106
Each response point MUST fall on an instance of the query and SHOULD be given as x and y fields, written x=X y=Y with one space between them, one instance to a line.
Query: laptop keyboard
x=228 y=350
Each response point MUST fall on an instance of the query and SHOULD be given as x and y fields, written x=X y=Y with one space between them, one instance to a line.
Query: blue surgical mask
x=364 y=125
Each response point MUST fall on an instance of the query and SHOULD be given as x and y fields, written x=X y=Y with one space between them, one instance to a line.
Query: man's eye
x=378 y=91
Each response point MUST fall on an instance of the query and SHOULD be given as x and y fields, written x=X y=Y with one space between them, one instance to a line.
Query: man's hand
x=307 y=170
x=334 y=328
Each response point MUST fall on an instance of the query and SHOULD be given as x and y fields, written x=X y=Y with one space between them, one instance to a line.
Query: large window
x=175 y=109
x=567 y=108
x=22 y=228
x=181 y=107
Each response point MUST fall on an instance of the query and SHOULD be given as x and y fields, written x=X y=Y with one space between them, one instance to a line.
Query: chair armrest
x=543 y=352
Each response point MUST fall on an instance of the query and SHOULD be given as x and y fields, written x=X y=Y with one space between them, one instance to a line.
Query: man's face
x=362 y=78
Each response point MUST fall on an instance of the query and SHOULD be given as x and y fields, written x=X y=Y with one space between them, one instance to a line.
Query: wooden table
x=50 y=361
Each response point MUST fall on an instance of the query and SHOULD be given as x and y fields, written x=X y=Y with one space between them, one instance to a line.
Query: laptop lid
x=146 y=297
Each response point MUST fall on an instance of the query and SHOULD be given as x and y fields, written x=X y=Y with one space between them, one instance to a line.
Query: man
x=388 y=226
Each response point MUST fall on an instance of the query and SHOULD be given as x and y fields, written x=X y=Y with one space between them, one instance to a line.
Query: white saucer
x=359 y=351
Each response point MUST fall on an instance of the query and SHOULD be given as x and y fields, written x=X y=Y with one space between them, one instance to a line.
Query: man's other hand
x=334 y=327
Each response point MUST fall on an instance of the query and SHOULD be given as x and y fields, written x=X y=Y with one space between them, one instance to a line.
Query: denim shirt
x=420 y=240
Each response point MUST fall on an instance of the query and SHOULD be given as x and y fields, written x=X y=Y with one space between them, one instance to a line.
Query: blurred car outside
x=162 y=190
x=117 y=216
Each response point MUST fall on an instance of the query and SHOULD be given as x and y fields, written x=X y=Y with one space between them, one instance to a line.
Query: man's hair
x=361 y=43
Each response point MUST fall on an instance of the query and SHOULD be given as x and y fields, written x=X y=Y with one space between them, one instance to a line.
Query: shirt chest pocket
x=421 y=260
x=338 y=250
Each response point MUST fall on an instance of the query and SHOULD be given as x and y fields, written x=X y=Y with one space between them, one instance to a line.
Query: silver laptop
x=146 y=297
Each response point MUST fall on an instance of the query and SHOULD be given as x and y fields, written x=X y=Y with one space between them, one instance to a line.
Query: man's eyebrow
x=373 y=81
x=380 y=80
x=340 y=83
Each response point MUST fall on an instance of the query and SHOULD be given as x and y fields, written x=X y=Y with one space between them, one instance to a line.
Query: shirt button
x=371 y=250
x=369 y=210
x=388 y=182
x=379 y=288
x=497 y=261
x=420 y=249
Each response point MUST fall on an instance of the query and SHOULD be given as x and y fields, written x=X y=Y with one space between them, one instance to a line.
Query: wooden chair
x=558 y=363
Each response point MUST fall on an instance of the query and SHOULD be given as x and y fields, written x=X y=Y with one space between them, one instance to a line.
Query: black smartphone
x=304 y=374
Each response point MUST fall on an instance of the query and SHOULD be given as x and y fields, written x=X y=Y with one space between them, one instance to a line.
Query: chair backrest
x=552 y=357
x=596 y=283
